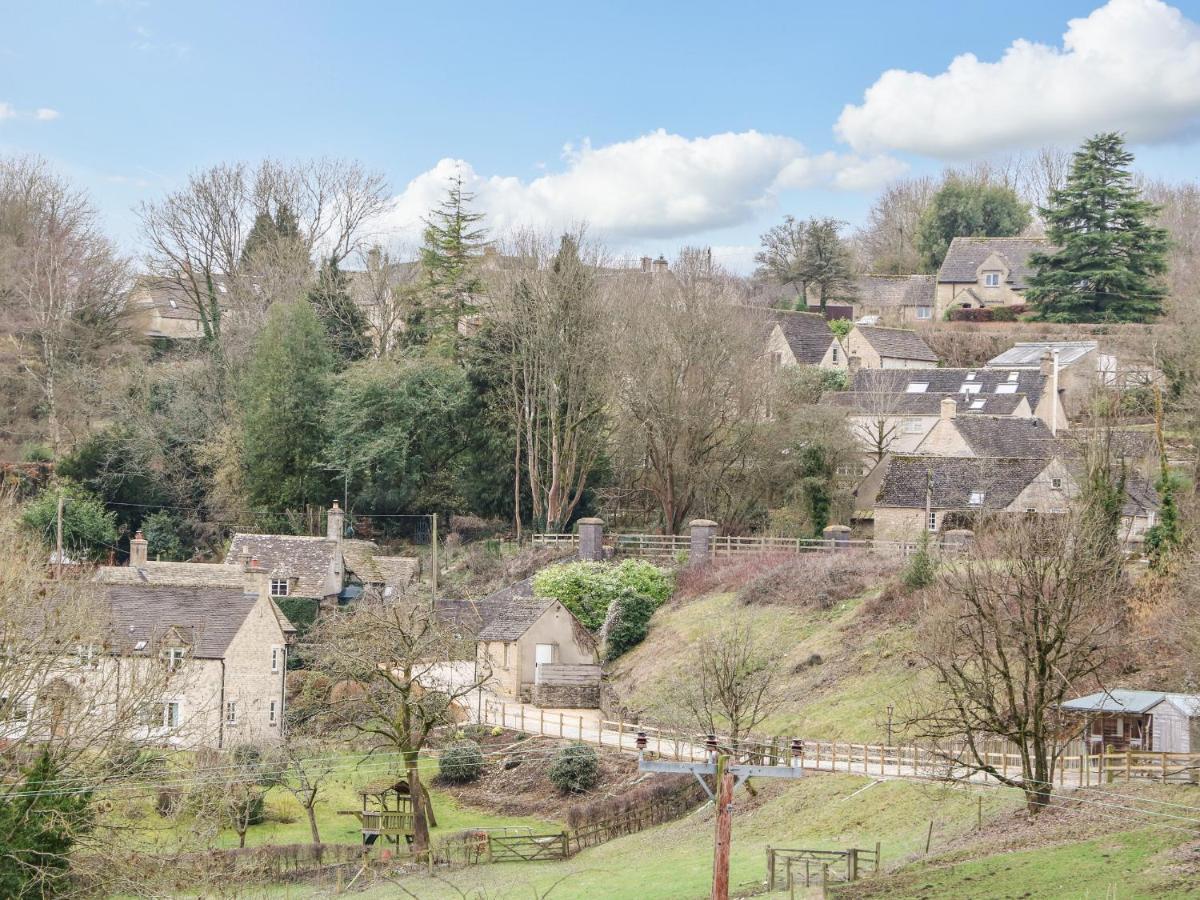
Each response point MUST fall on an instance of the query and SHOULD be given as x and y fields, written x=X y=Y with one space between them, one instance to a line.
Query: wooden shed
x=1139 y=720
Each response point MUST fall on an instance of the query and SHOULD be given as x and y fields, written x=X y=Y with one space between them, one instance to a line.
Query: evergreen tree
x=284 y=404
x=967 y=208
x=453 y=245
x=344 y=322
x=1111 y=259
x=826 y=261
x=268 y=230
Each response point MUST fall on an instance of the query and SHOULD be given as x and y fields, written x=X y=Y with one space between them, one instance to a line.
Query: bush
x=461 y=762
x=628 y=622
x=921 y=568
x=575 y=769
x=1008 y=313
x=588 y=588
x=813 y=580
x=89 y=530
x=163 y=534
x=981 y=314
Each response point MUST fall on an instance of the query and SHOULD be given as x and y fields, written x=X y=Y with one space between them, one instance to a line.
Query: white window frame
x=991 y=279
x=174 y=656
x=273 y=713
x=912 y=426
x=231 y=713
x=971 y=375
x=166 y=713
x=976 y=498
x=924 y=312
x=917 y=387
x=275 y=659
x=1014 y=376
x=970 y=389
x=978 y=404
x=835 y=353
x=931 y=523
x=1056 y=483
x=280 y=587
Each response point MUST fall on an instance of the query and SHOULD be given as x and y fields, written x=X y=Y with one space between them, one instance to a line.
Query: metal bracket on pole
x=739 y=772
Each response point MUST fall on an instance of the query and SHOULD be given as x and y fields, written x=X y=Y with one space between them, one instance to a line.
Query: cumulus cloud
x=42 y=114
x=6 y=111
x=1131 y=65
x=45 y=114
x=656 y=185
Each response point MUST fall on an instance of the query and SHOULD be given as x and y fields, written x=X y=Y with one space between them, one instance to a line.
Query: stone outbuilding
x=875 y=347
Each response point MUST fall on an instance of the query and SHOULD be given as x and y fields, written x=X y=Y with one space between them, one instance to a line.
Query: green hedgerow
x=588 y=588
x=575 y=769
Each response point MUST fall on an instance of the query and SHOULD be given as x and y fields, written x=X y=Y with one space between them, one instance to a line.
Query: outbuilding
x=1121 y=720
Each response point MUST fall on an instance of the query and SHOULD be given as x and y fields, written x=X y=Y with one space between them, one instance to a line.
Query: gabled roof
x=894 y=291
x=364 y=560
x=807 y=334
x=207 y=618
x=468 y=617
x=966 y=254
x=309 y=560
x=952 y=480
x=896 y=343
x=1000 y=436
x=1031 y=383
x=903 y=404
x=1024 y=354
x=1120 y=700
x=512 y=619
x=179 y=574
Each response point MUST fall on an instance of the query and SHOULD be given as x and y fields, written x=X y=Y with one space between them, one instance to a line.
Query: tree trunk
x=416 y=791
x=312 y=823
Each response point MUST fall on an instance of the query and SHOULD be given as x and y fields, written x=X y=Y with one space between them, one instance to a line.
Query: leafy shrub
x=1008 y=313
x=164 y=537
x=921 y=568
x=461 y=762
x=89 y=530
x=575 y=769
x=588 y=588
x=841 y=327
x=982 y=314
x=628 y=621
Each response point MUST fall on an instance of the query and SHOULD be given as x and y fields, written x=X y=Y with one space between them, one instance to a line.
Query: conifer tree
x=344 y=321
x=1112 y=258
x=268 y=229
x=453 y=245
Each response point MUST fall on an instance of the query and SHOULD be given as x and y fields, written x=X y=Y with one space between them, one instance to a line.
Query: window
x=978 y=404
x=1014 y=376
x=84 y=653
x=174 y=305
x=975 y=498
x=279 y=587
x=913 y=426
x=1056 y=483
x=991 y=279
x=970 y=389
x=272 y=718
x=275 y=659
x=173 y=656
x=1030 y=509
x=231 y=712
x=140 y=645
x=932 y=524
x=835 y=354
x=917 y=387
x=970 y=376
x=1006 y=389
x=506 y=656
x=170 y=714
x=924 y=312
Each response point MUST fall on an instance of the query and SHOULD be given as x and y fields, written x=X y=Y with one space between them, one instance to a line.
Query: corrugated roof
x=896 y=343
x=1120 y=700
x=1028 y=354
x=966 y=254
x=1031 y=383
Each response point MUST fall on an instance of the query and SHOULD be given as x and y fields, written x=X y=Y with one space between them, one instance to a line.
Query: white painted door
x=543 y=654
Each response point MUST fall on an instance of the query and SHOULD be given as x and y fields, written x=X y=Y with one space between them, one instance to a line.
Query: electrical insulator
x=710 y=743
x=797 y=747
x=641 y=740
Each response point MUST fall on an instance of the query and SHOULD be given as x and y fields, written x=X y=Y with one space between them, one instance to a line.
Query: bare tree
x=731 y=685
x=61 y=279
x=1027 y=619
x=386 y=291
x=393 y=681
x=550 y=323
x=886 y=244
x=306 y=774
x=689 y=385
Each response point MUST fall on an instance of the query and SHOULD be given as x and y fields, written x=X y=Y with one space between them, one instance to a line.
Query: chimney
x=335 y=523
x=646 y=261
x=1047 y=364
x=591 y=539
x=254 y=579
x=138 y=547
x=949 y=408
x=660 y=265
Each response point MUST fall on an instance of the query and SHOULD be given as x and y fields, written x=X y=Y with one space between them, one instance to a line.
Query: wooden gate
x=527 y=847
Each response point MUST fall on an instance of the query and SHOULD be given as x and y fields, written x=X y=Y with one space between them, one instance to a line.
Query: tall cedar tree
x=285 y=398
x=453 y=245
x=967 y=208
x=1112 y=259
x=344 y=321
x=826 y=261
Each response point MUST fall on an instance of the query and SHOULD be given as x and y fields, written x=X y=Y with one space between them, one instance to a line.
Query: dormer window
x=975 y=498
x=85 y=653
x=279 y=587
x=970 y=376
x=173 y=656
x=991 y=279
x=978 y=404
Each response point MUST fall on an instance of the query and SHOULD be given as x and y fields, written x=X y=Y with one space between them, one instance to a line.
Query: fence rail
x=661 y=546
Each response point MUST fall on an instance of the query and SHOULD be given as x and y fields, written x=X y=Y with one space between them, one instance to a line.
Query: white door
x=543 y=654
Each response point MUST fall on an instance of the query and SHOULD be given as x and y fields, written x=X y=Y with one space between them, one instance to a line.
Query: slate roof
x=1030 y=353
x=894 y=291
x=807 y=334
x=903 y=404
x=1029 y=382
x=468 y=617
x=512 y=619
x=1140 y=495
x=172 y=573
x=952 y=479
x=206 y=617
x=309 y=560
x=897 y=343
x=1008 y=436
x=170 y=301
x=966 y=254
x=364 y=560
x=1120 y=700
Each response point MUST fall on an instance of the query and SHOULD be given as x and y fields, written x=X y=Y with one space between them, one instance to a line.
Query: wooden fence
x=528 y=847
x=852 y=863
x=244 y=864
x=672 y=546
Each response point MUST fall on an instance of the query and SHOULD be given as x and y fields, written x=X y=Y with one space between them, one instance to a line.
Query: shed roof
x=512 y=619
x=1028 y=354
x=1121 y=700
x=896 y=343
x=966 y=254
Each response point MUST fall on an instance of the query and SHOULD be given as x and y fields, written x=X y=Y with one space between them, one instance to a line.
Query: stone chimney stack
x=949 y=408
x=335 y=523
x=591 y=539
x=138 y=549
x=646 y=261
x=1047 y=364
x=255 y=579
x=660 y=265
x=853 y=364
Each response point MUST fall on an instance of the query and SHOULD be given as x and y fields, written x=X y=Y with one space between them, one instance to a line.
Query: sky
x=661 y=125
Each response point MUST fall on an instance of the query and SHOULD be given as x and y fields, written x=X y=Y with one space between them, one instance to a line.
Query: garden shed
x=1121 y=720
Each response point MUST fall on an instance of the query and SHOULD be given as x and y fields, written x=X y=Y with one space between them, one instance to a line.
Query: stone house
x=932 y=493
x=1118 y=720
x=988 y=436
x=980 y=272
x=321 y=568
x=801 y=339
x=895 y=299
x=215 y=657
x=897 y=422
x=875 y=347
x=1035 y=384
x=1074 y=365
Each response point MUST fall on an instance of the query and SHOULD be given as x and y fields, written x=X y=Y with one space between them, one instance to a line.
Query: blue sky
x=684 y=123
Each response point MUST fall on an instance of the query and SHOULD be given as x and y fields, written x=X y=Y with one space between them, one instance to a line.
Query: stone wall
x=567 y=696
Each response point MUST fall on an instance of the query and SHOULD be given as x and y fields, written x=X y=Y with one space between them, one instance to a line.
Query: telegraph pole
x=435 y=558
x=724 y=834
x=58 y=540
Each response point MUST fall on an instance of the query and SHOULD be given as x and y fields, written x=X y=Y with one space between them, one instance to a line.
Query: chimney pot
x=1047 y=364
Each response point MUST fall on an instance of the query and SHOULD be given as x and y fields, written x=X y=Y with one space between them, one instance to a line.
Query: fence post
x=591 y=539
x=770 y=868
x=1163 y=756
x=1128 y=764
x=852 y=865
x=877 y=855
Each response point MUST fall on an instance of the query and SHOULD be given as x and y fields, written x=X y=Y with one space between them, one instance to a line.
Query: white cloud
x=45 y=114
x=42 y=114
x=6 y=111
x=656 y=185
x=1131 y=65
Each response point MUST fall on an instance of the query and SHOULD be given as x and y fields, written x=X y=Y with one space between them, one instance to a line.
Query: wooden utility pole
x=435 y=559
x=724 y=834
x=58 y=540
